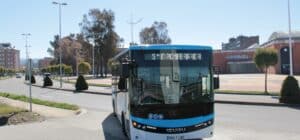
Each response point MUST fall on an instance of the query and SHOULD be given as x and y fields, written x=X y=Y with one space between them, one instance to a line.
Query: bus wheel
x=123 y=125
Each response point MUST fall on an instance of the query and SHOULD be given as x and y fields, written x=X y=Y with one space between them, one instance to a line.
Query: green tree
x=70 y=47
x=68 y=70
x=264 y=58
x=84 y=67
x=86 y=48
x=2 y=71
x=156 y=34
x=98 y=26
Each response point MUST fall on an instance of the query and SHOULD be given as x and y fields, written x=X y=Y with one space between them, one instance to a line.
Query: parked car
x=18 y=75
x=46 y=74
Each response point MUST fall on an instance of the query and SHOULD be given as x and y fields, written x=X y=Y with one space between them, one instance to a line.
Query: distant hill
x=34 y=60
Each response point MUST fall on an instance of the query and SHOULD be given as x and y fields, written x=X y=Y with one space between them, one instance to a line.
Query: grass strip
x=6 y=109
x=4 y=78
x=40 y=102
x=246 y=92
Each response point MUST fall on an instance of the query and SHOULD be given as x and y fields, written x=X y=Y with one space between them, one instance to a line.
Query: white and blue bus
x=164 y=92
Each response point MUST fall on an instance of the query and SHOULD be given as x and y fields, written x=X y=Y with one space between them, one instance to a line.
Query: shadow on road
x=297 y=106
x=112 y=128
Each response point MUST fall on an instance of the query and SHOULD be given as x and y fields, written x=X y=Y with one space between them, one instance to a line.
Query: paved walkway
x=252 y=82
x=234 y=82
x=219 y=98
x=248 y=99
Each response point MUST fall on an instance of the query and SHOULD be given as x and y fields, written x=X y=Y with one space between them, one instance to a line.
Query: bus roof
x=170 y=47
x=163 y=47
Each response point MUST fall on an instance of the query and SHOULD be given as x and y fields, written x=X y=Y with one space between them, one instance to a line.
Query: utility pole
x=290 y=41
x=132 y=23
x=93 y=53
x=30 y=84
x=59 y=15
x=28 y=69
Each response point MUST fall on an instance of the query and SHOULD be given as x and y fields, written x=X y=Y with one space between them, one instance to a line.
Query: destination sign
x=173 y=56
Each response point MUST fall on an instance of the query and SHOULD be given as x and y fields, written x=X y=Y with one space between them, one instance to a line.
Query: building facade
x=240 y=43
x=9 y=56
x=235 y=61
x=45 y=62
x=280 y=42
x=242 y=61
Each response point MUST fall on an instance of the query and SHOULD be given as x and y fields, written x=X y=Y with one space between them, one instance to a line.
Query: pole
x=132 y=23
x=76 y=53
x=26 y=38
x=27 y=53
x=27 y=57
x=60 y=66
x=290 y=41
x=59 y=37
x=94 y=58
x=28 y=69
x=30 y=84
x=131 y=27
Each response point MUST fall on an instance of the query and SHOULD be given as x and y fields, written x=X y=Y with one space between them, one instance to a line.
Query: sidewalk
x=71 y=87
x=264 y=100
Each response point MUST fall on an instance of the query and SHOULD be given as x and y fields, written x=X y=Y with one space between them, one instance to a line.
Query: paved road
x=89 y=101
x=233 y=122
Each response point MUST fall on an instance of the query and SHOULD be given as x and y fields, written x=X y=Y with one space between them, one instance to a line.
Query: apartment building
x=9 y=56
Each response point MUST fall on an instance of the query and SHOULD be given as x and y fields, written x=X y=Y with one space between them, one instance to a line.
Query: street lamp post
x=94 y=58
x=290 y=40
x=28 y=69
x=60 y=63
x=93 y=43
x=132 y=23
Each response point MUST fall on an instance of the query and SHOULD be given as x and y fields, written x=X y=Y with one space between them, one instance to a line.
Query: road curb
x=254 y=94
x=74 y=91
x=81 y=111
x=257 y=103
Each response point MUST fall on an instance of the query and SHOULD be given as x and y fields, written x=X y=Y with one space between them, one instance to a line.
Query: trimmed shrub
x=290 y=92
x=32 y=79
x=47 y=82
x=84 y=67
x=81 y=84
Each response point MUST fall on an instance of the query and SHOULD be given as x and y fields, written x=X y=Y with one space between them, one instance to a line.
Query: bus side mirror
x=122 y=83
x=216 y=83
x=125 y=70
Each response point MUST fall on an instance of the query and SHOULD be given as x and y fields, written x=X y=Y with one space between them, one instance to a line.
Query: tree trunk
x=105 y=69
x=101 y=66
x=266 y=76
x=97 y=67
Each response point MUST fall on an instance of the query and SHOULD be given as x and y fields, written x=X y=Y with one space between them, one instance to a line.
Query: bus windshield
x=176 y=78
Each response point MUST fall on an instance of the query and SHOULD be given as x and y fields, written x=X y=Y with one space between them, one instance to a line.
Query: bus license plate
x=175 y=137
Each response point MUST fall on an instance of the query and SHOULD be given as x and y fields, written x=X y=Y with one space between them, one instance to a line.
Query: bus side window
x=122 y=83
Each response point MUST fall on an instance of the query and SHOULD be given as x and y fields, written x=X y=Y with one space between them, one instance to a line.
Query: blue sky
x=203 y=22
